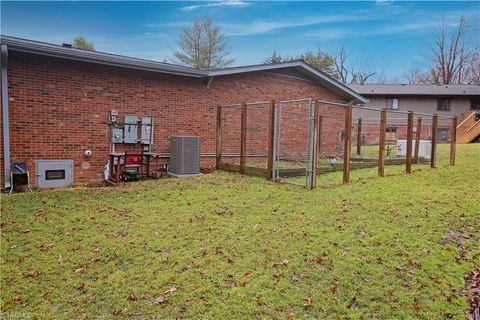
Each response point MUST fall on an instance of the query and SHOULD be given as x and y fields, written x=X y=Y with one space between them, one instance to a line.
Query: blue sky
x=391 y=36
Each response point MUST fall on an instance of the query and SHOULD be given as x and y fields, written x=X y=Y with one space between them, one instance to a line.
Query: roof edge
x=47 y=49
x=289 y=64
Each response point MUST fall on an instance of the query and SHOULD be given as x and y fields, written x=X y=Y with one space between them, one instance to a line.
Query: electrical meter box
x=130 y=129
x=117 y=135
x=147 y=126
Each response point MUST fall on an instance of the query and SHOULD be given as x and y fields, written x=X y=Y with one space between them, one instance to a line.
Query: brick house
x=56 y=101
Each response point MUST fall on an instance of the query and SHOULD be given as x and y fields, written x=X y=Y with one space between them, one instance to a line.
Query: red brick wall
x=371 y=134
x=59 y=108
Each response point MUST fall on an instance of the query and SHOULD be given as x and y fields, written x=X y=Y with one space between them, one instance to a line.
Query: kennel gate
x=293 y=160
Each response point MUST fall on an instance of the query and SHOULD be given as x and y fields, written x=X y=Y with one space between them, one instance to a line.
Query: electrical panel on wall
x=117 y=135
x=130 y=129
x=146 y=134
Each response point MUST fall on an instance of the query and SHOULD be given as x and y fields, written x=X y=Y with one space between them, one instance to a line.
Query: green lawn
x=221 y=246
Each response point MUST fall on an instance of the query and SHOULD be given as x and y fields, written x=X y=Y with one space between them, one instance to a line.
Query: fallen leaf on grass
x=318 y=260
x=60 y=260
x=416 y=307
x=298 y=277
x=160 y=299
x=24 y=231
x=31 y=273
x=242 y=282
x=189 y=266
x=171 y=290
x=284 y=262
x=41 y=212
x=333 y=289
x=308 y=302
x=79 y=270
x=132 y=297
x=353 y=303
x=18 y=300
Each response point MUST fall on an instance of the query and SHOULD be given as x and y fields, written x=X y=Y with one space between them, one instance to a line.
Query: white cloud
x=383 y=2
x=154 y=35
x=262 y=27
x=329 y=34
x=217 y=3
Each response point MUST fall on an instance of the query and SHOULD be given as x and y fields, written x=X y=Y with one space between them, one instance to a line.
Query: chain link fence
x=310 y=142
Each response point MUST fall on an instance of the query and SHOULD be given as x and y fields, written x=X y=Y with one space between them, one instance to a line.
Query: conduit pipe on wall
x=5 y=117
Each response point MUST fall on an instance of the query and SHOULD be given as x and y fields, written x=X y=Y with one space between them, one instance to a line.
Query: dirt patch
x=455 y=237
x=472 y=287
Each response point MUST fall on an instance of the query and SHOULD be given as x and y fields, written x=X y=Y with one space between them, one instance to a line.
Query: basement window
x=54 y=174
x=443 y=104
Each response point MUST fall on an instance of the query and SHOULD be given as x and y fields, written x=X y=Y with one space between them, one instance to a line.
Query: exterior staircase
x=469 y=129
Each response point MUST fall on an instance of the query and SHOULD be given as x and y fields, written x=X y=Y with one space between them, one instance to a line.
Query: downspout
x=5 y=117
x=209 y=82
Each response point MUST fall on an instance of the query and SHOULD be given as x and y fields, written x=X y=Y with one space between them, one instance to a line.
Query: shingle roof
x=416 y=89
x=48 y=49
x=299 y=65
x=43 y=48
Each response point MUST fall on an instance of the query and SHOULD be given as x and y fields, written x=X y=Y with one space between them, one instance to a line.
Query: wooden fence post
x=359 y=136
x=315 y=143
x=348 y=143
x=381 y=145
x=417 y=138
x=453 y=141
x=271 y=130
x=218 y=157
x=408 y=160
x=243 y=138
x=433 y=154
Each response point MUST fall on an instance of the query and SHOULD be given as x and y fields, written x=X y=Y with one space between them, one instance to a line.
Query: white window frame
x=392 y=103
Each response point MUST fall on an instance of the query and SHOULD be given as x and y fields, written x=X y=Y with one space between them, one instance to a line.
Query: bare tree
x=340 y=63
x=382 y=78
x=351 y=70
x=472 y=74
x=416 y=76
x=203 y=46
x=451 y=55
x=361 y=75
